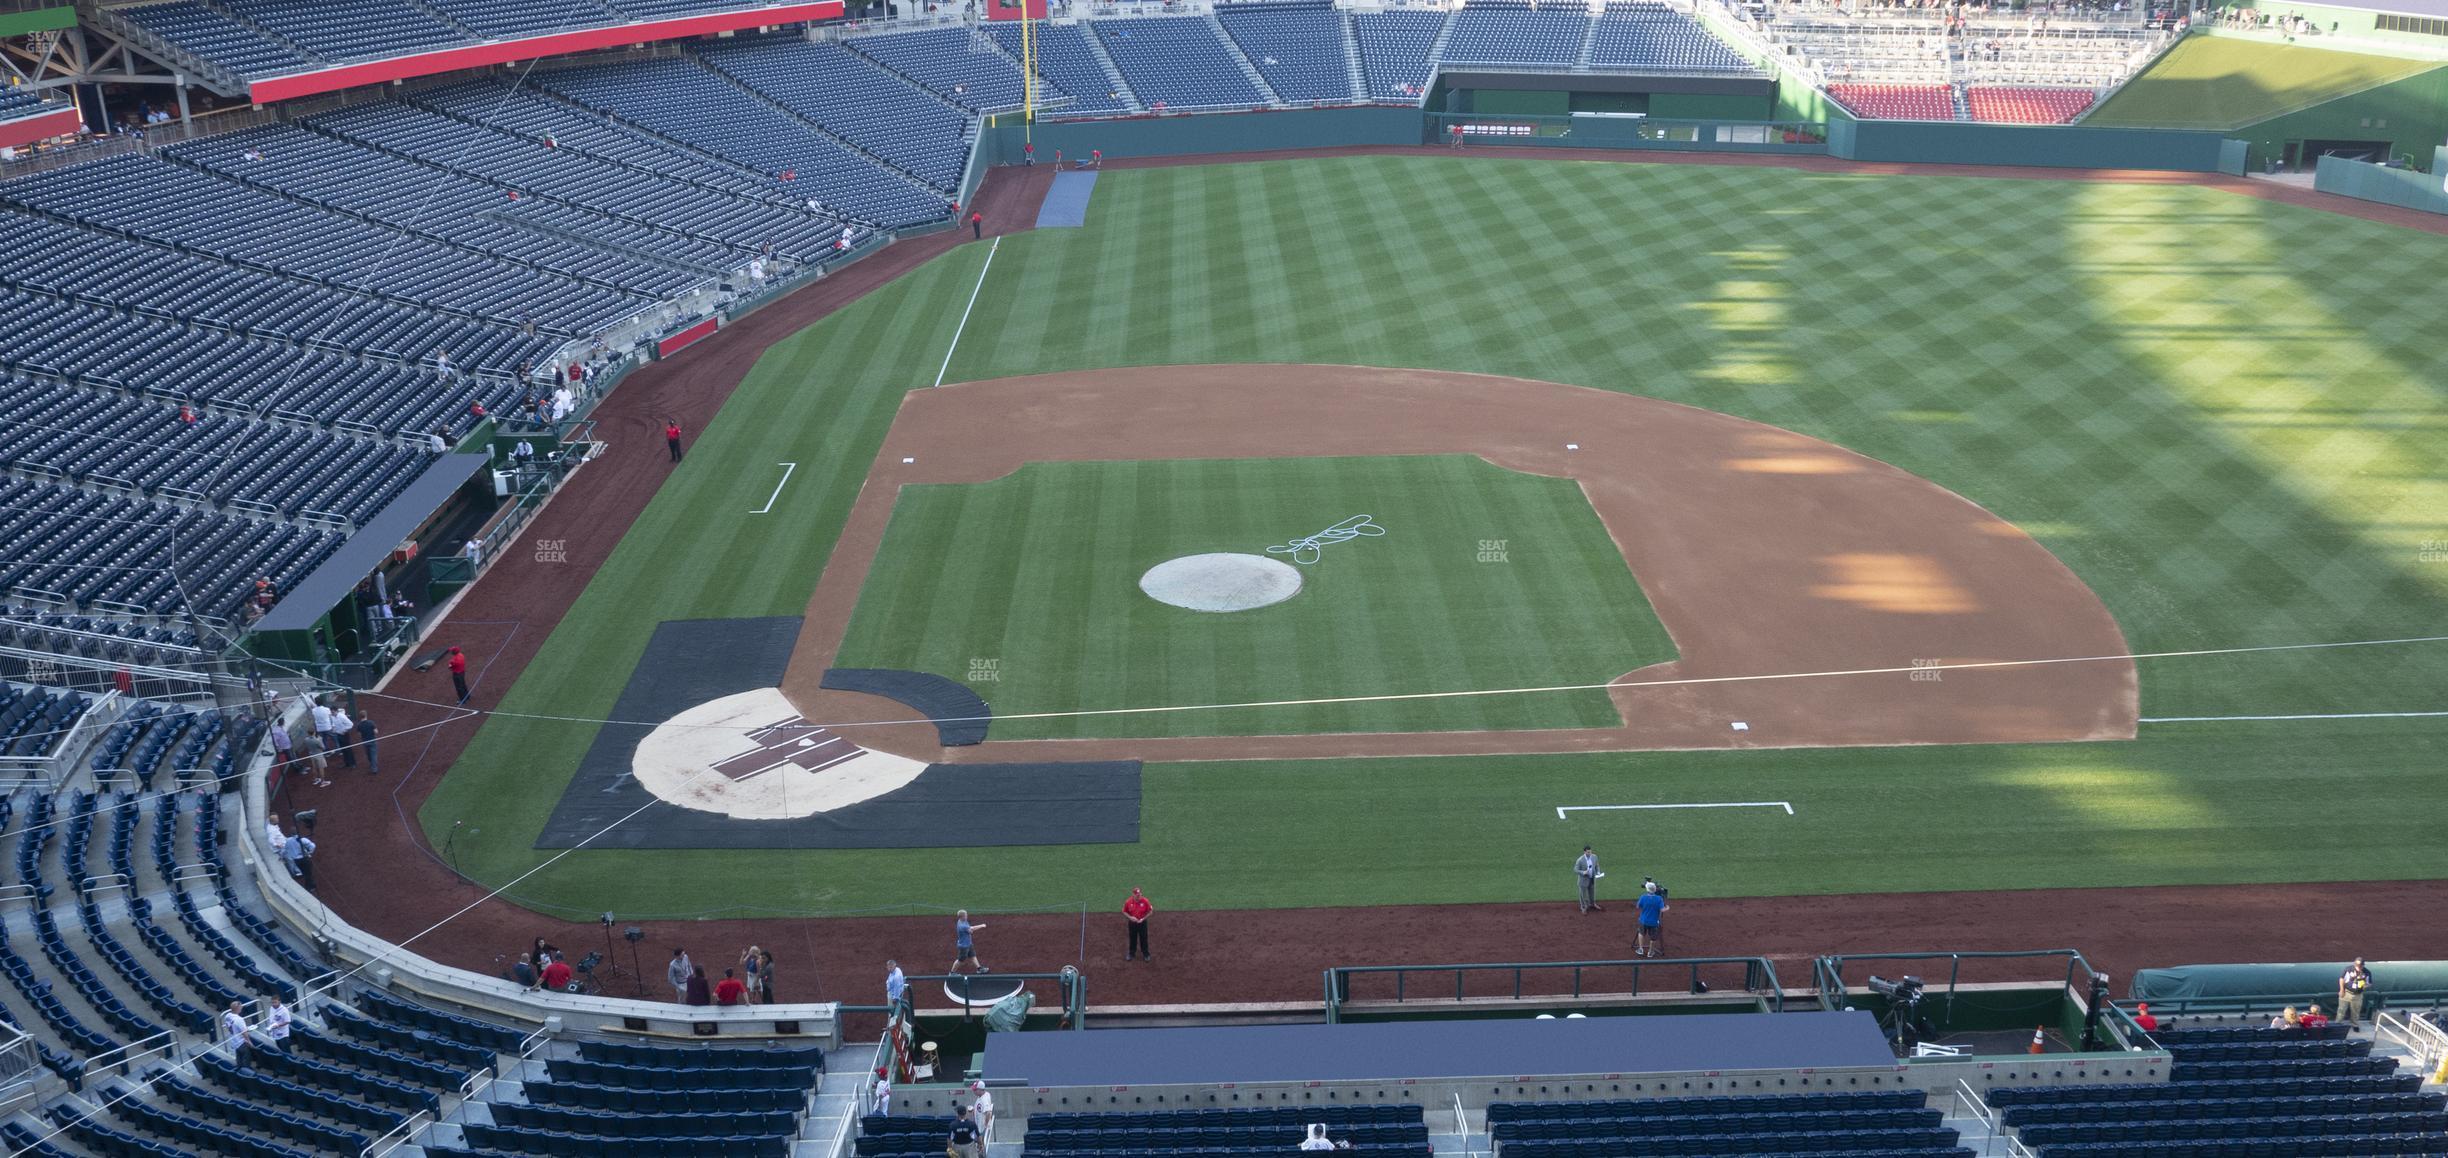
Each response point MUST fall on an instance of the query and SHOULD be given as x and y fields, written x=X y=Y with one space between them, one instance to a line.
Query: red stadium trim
x=27 y=130
x=688 y=337
x=281 y=88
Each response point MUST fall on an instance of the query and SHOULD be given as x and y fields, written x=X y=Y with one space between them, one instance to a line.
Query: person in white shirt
x=274 y=838
x=234 y=1033
x=982 y=1110
x=1317 y=1138
x=883 y=1094
x=276 y=1024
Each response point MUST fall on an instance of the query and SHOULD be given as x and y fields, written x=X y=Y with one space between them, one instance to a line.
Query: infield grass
x=2226 y=415
x=1484 y=578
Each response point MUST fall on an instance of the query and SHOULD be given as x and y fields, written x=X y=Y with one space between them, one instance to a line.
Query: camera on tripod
x=1904 y=1025
x=1650 y=885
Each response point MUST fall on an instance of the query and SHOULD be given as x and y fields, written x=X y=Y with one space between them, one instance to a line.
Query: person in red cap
x=2143 y=1018
x=977 y=225
x=458 y=670
x=1137 y=909
x=671 y=438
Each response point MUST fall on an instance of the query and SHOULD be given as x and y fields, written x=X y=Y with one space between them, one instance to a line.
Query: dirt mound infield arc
x=1764 y=552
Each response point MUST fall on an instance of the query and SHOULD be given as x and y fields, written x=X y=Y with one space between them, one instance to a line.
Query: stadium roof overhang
x=369 y=72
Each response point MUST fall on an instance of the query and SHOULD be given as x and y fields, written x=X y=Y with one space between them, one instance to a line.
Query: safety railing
x=861 y=1096
x=2418 y=1035
x=2076 y=976
x=1588 y=979
x=1972 y=1105
x=129 y=1056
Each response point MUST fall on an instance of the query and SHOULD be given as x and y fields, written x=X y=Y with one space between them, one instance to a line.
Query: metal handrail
x=398 y=1135
x=1759 y=977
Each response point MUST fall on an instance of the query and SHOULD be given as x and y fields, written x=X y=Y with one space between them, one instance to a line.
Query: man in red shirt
x=2313 y=1018
x=557 y=976
x=1137 y=909
x=977 y=226
x=2143 y=1018
x=458 y=670
x=729 y=991
x=671 y=438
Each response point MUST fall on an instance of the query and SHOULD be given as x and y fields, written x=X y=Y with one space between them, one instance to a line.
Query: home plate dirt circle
x=1221 y=581
x=751 y=756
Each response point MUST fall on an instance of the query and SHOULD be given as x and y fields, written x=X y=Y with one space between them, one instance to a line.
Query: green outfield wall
x=2410 y=114
x=1178 y=136
x=2050 y=146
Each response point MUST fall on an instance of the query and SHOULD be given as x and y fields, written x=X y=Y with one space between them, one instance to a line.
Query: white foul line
x=1787 y=805
x=946 y=368
x=2328 y=716
x=787 y=468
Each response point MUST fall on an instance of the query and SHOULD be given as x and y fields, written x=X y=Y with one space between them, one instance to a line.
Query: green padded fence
x=2404 y=188
x=2199 y=989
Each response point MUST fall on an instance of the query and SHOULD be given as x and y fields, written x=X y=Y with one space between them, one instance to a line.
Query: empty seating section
x=153 y=198
x=1177 y=62
x=356 y=30
x=2239 y=1090
x=1887 y=1121
x=115 y=641
x=209 y=34
x=1065 y=60
x=427 y=201
x=1647 y=34
x=17 y=102
x=1515 y=32
x=68 y=533
x=1297 y=47
x=2001 y=104
x=685 y=102
x=1395 y=47
x=1382 y=1129
x=510 y=19
x=960 y=65
x=854 y=99
x=1901 y=102
x=660 y=1099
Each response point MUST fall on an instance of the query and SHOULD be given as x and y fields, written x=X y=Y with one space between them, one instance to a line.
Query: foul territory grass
x=2224 y=414
x=1484 y=578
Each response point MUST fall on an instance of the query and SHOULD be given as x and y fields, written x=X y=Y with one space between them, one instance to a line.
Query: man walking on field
x=1585 y=870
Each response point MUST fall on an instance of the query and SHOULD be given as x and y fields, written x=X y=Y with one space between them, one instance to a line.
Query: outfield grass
x=2224 y=414
x=2216 y=82
x=1038 y=572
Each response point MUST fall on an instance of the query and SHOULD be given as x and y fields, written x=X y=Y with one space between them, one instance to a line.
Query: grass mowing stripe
x=2120 y=369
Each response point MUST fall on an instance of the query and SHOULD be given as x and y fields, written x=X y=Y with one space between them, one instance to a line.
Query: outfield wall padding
x=2048 y=146
x=1178 y=136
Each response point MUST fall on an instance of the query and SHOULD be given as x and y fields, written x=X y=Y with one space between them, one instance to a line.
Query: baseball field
x=2155 y=419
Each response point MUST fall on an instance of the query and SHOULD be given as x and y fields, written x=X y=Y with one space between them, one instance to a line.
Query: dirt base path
x=1764 y=552
x=376 y=870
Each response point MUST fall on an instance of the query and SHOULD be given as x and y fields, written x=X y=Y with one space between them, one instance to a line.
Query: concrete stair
x=1113 y=72
x=1589 y=44
x=1436 y=51
x=1351 y=57
x=1249 y=68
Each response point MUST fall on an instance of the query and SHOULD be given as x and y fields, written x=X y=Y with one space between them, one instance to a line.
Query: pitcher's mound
x=1223 y=581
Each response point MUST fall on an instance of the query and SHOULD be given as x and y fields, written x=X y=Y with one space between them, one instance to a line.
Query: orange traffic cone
x=2039 y=1039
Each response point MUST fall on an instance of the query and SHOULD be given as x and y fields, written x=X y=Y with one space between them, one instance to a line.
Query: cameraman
x=1652 y=940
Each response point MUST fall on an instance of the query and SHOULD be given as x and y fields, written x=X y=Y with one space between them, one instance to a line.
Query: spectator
x=2143 y=1018
x=525 y=971
x=2286 y=1019
x=544 y=951
x=339 y=741
x=896 y=987
x=276 y=1023
x=2313 y=1018
x=678 y=973
x=234 y=1033
x=698 y=992
x=1317 y=1138
x=729 y=991
x=752 y=969
x=964 y=1140
x=557 y=976
x=274 y=838
x=765 y=976
x=1136 y=911
x=882 y=1105
x=298 y=853
x=367 y=737
x=2353 y=985
x=283 y=751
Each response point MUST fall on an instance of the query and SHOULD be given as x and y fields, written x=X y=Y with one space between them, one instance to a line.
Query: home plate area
x=739 y=767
